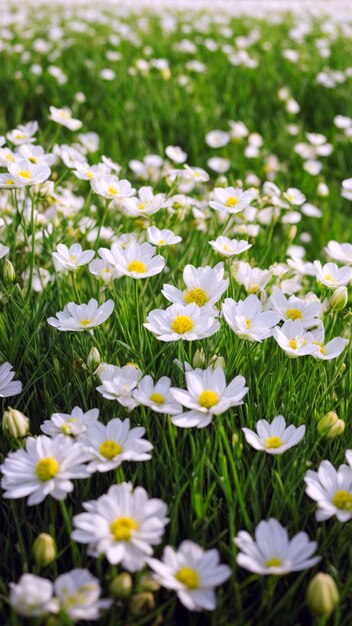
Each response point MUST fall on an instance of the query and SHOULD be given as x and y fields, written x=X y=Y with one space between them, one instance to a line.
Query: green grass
x=213 y=487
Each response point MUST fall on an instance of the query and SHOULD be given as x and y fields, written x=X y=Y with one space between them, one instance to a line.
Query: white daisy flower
x=272 y=552
x=207 y=395
x=253 y=279
x=123 y=524
x=135 y=260
x=71 y=258
x=293 y=308
x=111 y=444
x=157 y=395
x=111 y=187
x=341 y=252
x=231 y=199
x=332 y=490
x=275 y=437
x=204 y=286
x=25 y=173
x=188 y=322
x=80 y=317
x=294 y=196
x=84 y=171
x=73 y=424
x=163 y=237
x=104 y=270
x=32 y=596
x=326 y=351
x=64 y=118
x=8 y=386
x=176 y=154
x=146 y=203
x=23 y=133
x=192 y=573
x=78 y=594
x=118 y=383
x=247 y=318
x=293 y=338
x=331 y=275
x=45 y=467
x=229 y=247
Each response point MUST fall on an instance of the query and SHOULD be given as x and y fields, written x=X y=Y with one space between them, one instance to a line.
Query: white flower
x=293 y=308
x=111 y=444
x=177 y=322
x=146 y=203
x=272 y=552
x=326 y=351
x=253 y=279
x=25 y=173
x=231 y=199
x=163 y=237
x=8 y=386
x=176 y=154
x=332 y=490
x=78 y=594
x=74 y=424
x=64 y=118
x=346 y=191
x=45 y=467
x=192 y=572
x=247 y=318
x=79 y=317
x=23 y=133
x=340 y=251
x=104 y=270
x=123 y=524
x=207 y=395
x=294 y=196
x=274 y=437
x=196 y=173
x=293 y=338
x=205 y=286
x=84 y=171
x=218 y=164
x=71 y=258
x=32 y=596
x=217 y=138
x=331 y=275
x=229 y=247
x=135 y=260
x=118 y=383
x=111 y=187
x=157 y=396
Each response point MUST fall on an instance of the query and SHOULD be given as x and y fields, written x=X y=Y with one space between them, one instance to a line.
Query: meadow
x=182 y=181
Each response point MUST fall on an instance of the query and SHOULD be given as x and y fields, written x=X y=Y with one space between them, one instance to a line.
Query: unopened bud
x=93 y=359
x=121 y=586
x=221 y=181
x=217 y=361
x=322 y=595
x=339 y=298
x=199 y=358
x=147 y=583
x=331 y=426
x=15 y=423
x=9 y=274
x=292 y=232
x=323 y=190
x=44 y=550
x=141 y=604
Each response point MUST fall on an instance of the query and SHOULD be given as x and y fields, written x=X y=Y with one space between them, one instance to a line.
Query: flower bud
x=322 y=595
x=339 y=298
x=292 y=232
x=147 y=583
x=9 y=274
x=323 y=190
x=121 y=586
x=44 y=550
x=330 y=426
x=217 y=361
x=93 y=359
x=141 y=604
x=199 y=358
x=15 y=423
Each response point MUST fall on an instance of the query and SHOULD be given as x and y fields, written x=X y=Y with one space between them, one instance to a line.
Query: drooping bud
x=44 y=550
x=141 y=604
x=199 y=358
x=121 y=586
x=331 y=426
x=217 y=361
x=339 y=298
x=147 y=583
x=322 y=595
x=9 y=274
x=15 y=423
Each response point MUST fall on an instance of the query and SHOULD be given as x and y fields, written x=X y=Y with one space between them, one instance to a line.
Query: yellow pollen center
x=343 y=500
x=232 y=201
x=89 y=174
x=20 y=136
x=294 y=314
x=10 y=181
x=208 y=398
x=328 y=277
x=248 y=324
x=188 y=577
x=157 y=398
x=46 y=468
x=85 y=322
x=64 y=115
x=161 y=242
x=73 y=258
x=122 y=527
x=197 y=296
x=273 y=442
x=275 y=562
x=10 y=158
x=109 y=449
x=33 y=159
x=293 y=344
x=182 y=324
x=141 y=206
x=24 y=174
x=66 y=428
x=112 y=190
x=137 y=266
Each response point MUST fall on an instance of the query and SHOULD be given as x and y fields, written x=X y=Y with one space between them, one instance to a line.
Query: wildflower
x=330 y=425
x=25 y=173
x=176 y=154
x=332 y=490
x=44 y=550
x=293 y=338
x=78 y=594
x=247 y=318
x=332 y=276
x=274 y=438
x=144 y=204
x=293 y=308
x=230 y=247
x=80 y=317
x=253 y=279
x=23 y=134
x=111 y=187
x=163 y=237
x=322 y=595
x=73 y=424
x=15 y=423
x=32 y=596
x=118 y=383
x=231 y=200
x=341 y=252
x=180 y=321
x=135 y=260
x=8 y=386
x=64 y=118
x=204 y=286
x=157 y=396
x=71 y=258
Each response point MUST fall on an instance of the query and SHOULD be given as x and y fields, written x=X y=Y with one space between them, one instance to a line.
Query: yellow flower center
x=294 y=314
x=73 y=258
x=89 y=174
x=231 y=201
x=64 y=115
x=273 y=442
x=248 y=324
x=141 y=206
x=122 y=527
x=157 y=398
x=137 y=266
x=24 y=174
x=9 y=181
x=33 y=159
x=275 y=562
x=20 y=136
x=208 y=398
x=109 y=449
x=343 y=500
x=66 y=428
x=182 y=324
x=161 y=242
x=293 y=344
x=188 y=577
x=10 y=158
x=85 y=322
x=253 y=289
x=197 y=296
x=328 y=277
x=112 y=190
x=47 y=468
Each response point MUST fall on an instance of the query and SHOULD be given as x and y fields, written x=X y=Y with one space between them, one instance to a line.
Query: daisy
x=23 y=133
x=293 y=308
x=32 y=596
x=64 y=118
x=80 y=317
x=231 y=200
x=25 y=173
x=293 y=338
x=123 y=524
x=176 y=154
x=104 y=270
x=274 y=437
x=326 y=351
x=294 y=196
x=188 y=322
x=272 y=552
x=253 y=279
x=230 y=247
x=111 y=187
x=73 y=424
x=192 y=573
x=8 y=386
x=204 y=286
x=341 y=252
x=111 y=444
x=332 y=276
x=247 y=318
x=84 y=171
x=78 y=594
x=118 y=383
x=163 y=237
x=157 y=395
x=332 y=490
x=146 y=203
x=135 y=260
x=71 y=258
x=45 y=467
x=207 y=395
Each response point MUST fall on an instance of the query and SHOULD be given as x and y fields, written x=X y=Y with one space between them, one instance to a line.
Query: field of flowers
x=175 y=313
